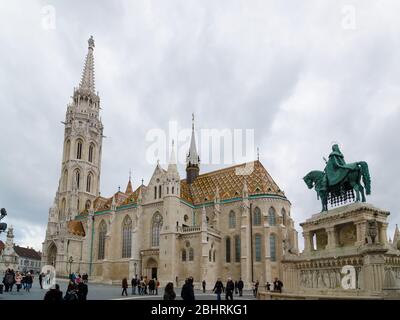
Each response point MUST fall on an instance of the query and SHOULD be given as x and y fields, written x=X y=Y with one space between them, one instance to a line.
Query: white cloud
x=289 y=70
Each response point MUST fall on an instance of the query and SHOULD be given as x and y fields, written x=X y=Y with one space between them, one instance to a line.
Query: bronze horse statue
x=351 y=181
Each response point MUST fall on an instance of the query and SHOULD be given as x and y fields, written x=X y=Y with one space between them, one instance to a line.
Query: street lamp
x=135 y=264
x=71 y=260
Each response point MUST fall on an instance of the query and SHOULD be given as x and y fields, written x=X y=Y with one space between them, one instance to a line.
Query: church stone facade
x=234 y=222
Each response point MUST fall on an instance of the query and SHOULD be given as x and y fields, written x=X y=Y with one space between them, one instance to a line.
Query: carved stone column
x=383 y=233
x=307 y=241
x=331 y=238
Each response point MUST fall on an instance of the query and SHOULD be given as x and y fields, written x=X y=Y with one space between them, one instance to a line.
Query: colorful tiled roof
x=76 y=228
x=229 y=181
x=133 y=197
x=230 y=184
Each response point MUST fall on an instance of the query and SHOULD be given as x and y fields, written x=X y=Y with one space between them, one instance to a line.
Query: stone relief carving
x=324 y=279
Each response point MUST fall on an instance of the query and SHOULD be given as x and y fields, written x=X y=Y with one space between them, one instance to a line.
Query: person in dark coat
x=124 y=286
x=240 y=286
x=71 y=294
x=28 y=281
x=134 y=284
x=169 y=293
x=53 y=294
x=41 y=280
x=230 y=286
x=82 y=291
x=278 y=285
x=204 y=286
x=218 y=288
x=187 y=292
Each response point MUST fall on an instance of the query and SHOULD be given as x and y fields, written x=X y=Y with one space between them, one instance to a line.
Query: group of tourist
x=230 y=287
x=277 y=286
x=19 y=279
x=77 y=289
x=142 y=286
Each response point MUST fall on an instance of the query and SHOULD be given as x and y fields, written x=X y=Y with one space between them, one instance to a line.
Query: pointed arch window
x=126 y=237
x=257 y=217
x=214 y=254
x=228 y=249
x=257 y=247
x=272 y=247
x=79 y=145
x=155 y=229
x=283 y=212
x=89 y=182
x=232 y=219
x=159 y=191
x=91 y=152
x=272 y=216
x=191 y=254
x=77 y=178
x=62 y=209
x=183 y=254
x=65 y=180
x=209 y=255
x=102 y=240
x=237 y=248
x=155 y=192
x=67 y=149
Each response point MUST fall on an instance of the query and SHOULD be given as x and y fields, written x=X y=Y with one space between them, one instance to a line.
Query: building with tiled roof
x=233 y=222
x=17 y=257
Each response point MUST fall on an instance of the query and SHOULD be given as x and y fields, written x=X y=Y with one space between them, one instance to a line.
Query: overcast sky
x=302 y=74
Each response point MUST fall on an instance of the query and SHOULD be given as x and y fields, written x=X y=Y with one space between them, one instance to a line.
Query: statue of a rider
x=336 y=168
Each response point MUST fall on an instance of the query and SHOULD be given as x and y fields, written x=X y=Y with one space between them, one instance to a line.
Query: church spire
x=129 y=189
x=172 y=160
x=192 y=159
x=87 y=81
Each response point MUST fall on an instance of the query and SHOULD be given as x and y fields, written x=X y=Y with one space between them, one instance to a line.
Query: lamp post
x=135 y=264
x=70 y=260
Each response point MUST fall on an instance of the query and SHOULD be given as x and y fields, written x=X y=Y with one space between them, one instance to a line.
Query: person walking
x=9 y=279
x=230 y=286
x=240 y=286
x=204 y=286
x=157 y=285
x=28 y=281
x=256 y=285
x=218 y=289
x=268 y=286
x=53 y=294
x=18 y=280
x=134 y=284
x=169 y=293
x=124 y=286
x=41 y=275
x=187 y=292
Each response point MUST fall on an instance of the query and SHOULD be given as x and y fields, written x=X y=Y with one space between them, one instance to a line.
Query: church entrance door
x=154 y=273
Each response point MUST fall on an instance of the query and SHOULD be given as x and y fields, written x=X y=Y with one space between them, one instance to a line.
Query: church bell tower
x=80 y=170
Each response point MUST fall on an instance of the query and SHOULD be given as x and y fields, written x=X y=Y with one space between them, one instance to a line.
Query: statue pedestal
x=346 y=253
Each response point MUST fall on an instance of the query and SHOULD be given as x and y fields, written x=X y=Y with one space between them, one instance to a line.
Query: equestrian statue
x=337 y=183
